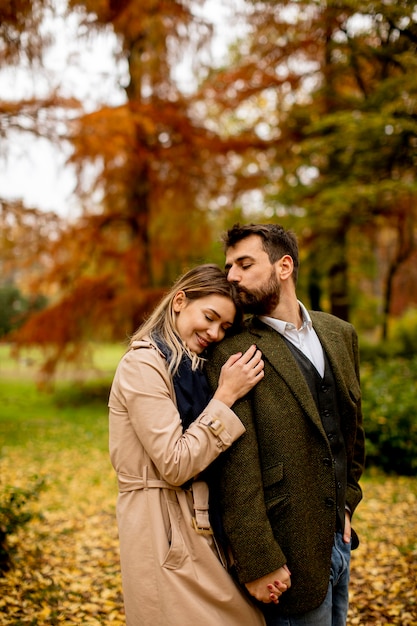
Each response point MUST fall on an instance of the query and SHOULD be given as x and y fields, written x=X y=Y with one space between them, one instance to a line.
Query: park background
x=169 y=121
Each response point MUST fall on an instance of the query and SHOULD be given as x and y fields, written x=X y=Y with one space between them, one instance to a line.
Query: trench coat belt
x=201 y=520
x=199 y=490
x=136 y=483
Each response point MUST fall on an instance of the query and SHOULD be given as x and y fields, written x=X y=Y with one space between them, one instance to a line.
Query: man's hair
x=276 y=241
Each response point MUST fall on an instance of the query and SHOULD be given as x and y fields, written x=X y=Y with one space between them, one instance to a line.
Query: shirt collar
x=281 y=326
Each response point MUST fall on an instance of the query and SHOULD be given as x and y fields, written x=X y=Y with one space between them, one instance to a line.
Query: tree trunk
x=339 y=296
x=405 y=247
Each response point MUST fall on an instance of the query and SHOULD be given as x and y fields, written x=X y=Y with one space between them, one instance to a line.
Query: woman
x=165 y=429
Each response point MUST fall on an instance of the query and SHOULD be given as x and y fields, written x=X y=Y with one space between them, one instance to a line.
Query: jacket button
x=327 y=462
x=329 y=502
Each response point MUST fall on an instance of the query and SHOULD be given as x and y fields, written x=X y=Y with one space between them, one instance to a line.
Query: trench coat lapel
x=273 y=346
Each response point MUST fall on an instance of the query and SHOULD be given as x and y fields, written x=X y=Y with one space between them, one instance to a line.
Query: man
x=289 y=486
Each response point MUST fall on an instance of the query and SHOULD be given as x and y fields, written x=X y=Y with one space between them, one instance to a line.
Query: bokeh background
x=132 y=134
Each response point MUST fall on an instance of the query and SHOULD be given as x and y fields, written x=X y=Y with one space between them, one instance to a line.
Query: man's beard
x=264 y=299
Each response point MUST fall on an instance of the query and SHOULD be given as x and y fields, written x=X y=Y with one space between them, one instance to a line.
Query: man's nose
x=233 y=275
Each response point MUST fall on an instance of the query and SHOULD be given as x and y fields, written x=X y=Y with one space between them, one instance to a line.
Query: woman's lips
x=203 y=342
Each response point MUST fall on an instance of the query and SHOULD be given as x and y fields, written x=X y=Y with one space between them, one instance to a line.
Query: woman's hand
x=239 y=374
x=270 y=587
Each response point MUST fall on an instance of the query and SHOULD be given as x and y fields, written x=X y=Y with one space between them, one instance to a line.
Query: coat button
x=327 y=462
x=329 y=502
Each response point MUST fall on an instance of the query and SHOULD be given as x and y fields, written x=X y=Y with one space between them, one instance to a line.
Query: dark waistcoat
x=323 y=391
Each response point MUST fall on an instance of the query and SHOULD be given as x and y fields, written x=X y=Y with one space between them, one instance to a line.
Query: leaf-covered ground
x=66 y=562
x=384 y=568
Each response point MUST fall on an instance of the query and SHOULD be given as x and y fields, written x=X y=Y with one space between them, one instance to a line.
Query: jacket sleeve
x=141 y=399
x=246 y=523
x=357 y=452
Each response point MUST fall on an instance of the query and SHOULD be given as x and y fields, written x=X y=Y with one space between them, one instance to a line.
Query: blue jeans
x=333 y=610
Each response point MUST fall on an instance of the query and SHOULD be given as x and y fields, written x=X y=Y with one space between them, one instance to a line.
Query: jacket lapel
x=276 y=351
x=335 y=350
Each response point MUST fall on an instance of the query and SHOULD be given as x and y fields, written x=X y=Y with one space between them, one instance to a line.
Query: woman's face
x=203 y=321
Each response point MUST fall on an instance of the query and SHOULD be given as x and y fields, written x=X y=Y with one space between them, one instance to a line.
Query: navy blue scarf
x=193 y=395
x=191 y=387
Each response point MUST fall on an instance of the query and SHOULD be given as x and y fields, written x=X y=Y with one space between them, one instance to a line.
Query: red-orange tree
x=157 y=166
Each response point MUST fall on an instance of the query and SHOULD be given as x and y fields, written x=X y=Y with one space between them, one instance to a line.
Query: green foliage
x=404 y=333
x=15 y=308
x=402 y=340
x=13 y=515
x=347 y=152
x=388 y=387
x=12 y=306
x=95 y=392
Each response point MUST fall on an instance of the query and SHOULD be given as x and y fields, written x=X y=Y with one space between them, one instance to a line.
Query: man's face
x=249 y=267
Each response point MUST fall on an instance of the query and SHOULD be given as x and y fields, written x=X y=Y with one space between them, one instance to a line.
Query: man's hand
x=270 y=587
x=348 y=529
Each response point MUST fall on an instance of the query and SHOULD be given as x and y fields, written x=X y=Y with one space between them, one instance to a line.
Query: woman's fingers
x=239 y=374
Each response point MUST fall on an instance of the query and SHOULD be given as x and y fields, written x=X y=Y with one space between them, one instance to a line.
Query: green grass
x=28 y=415
x=102 y=362
x=75 y=412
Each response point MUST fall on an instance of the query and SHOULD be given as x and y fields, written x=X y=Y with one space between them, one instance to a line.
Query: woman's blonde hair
x=201 y=281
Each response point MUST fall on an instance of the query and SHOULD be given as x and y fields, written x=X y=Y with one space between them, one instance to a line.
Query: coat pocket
x=177 y=549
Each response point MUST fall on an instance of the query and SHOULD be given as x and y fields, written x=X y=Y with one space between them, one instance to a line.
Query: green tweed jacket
x=277 y=485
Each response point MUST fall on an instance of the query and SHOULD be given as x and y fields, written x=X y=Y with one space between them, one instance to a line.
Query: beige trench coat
x=171 y=573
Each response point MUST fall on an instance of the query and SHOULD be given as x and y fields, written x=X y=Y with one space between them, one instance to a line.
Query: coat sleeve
x=141 y=399
x=246 y=523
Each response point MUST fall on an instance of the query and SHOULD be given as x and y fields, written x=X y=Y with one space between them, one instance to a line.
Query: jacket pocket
x=272 y=479
x=177 y=549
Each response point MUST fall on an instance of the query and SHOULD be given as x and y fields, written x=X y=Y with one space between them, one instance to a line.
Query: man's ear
x=285 y=267
x=179 y=301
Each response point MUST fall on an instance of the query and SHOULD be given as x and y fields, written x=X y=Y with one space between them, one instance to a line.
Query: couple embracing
x=267 y=413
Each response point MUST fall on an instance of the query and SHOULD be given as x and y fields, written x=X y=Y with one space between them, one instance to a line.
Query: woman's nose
x=214 y=333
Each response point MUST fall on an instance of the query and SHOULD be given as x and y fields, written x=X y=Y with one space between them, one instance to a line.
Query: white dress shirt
x=304 y=338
